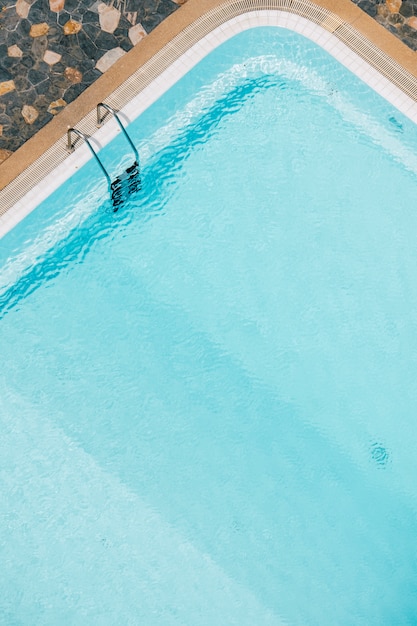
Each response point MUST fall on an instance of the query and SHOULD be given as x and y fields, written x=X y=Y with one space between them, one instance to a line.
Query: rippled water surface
x=208 y=399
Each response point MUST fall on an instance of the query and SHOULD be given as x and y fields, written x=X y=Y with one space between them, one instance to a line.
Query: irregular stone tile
x=4 y=154
x=56 y=106
x=21 y=82
x=72 y=6
x=106 y=41
x=6 y=86
x=41 y=103
x=394 y=5
x=91 y=54
x=36 y=13
x=411 y=42
x=132 y=17
x=72 y=27
x=22 y=8
x=4 y=75
x=23 y=29
x=94 y=7
x=137 y=33
x=26 y=63
x=14 y=51
x=110 y=57
x=43 y=88
x=29 y=114
x=56 y=5
x=396 y=20
x=109 y=18
x=152 y=20
x=55 y=33
x=91 y=30
x=90 y=76
x=412 y=22
x=73 y=75
x=407 y=9
x=52 y=93
x=1 y=129
x=73 y=92
x=37 y=30
x=51 y=57
x=382 y=10
x=9 y=19
x=125 y=43
x=39 y=47
x=62 y=18
x=36 y=76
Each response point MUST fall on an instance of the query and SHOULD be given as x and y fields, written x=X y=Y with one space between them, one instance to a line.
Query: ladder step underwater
x=125 y=184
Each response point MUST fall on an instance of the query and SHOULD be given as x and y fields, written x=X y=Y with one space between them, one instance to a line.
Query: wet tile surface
x=51 y=50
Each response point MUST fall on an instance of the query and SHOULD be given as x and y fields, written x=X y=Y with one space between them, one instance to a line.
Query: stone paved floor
x=398 y=16
x=51 y=50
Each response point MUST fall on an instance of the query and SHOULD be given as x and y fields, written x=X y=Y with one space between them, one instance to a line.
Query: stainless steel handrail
x=70 y=148
x=113 y=112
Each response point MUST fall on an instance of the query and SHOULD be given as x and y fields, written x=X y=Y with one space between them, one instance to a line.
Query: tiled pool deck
x=51 y=51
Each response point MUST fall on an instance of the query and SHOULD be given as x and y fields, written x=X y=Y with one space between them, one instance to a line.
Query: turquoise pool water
x=208 y=399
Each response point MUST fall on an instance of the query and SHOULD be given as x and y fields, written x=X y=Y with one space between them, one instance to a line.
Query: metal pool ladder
x=128 y=182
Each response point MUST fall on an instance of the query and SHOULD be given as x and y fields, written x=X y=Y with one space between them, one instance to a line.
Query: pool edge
x=36 y=158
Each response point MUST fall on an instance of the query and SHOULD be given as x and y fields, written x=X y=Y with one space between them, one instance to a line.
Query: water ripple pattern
x=208 y=399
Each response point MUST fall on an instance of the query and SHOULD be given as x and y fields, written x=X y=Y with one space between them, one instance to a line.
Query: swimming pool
x=207 y=399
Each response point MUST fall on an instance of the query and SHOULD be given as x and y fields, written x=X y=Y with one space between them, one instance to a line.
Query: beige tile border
x=173 y=38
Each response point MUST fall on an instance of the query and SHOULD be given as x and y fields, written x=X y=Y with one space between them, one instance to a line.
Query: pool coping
x=151 y=58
